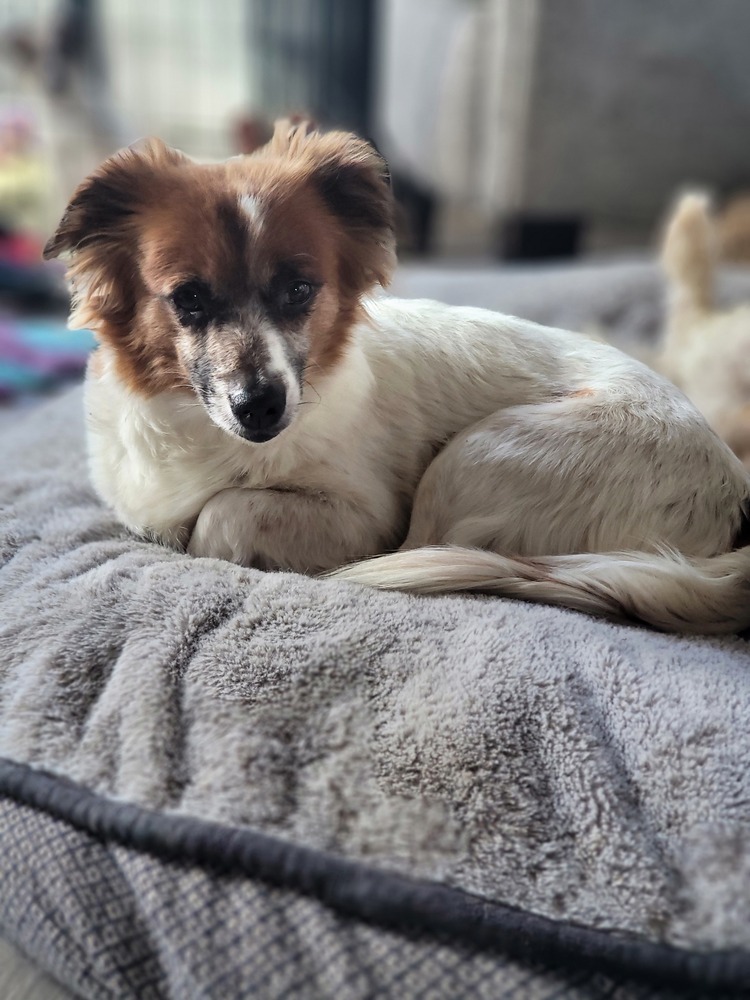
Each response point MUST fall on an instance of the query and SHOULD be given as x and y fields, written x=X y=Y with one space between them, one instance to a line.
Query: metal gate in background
x=314 y=57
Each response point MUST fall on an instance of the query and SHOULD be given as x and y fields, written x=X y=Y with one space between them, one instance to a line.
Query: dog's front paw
x=223 y=532
x=210 y=542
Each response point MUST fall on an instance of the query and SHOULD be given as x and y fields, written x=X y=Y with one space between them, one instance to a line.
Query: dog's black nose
x=259 y=409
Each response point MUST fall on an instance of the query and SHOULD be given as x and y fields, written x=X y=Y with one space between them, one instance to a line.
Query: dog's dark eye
x=296 y=294
x=191 y=301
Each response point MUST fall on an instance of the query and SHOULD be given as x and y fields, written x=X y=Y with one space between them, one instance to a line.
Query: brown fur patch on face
x=325 y=201
x=100 y=229
x=151 y=219
x=296 y=231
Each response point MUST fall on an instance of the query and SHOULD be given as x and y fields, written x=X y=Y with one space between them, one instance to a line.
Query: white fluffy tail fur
x=688 y=257
x=665 y=590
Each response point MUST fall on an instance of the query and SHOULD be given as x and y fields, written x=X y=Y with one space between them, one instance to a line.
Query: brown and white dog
x=252 y=401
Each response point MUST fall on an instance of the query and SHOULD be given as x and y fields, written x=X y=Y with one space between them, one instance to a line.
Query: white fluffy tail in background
x=689 y=254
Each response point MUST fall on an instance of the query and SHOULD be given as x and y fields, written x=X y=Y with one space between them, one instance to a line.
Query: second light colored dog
x=705 y=351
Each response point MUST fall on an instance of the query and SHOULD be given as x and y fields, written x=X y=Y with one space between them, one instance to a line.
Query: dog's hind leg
x=558 y=478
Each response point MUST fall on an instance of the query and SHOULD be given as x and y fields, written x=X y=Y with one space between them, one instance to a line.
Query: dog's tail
x=664 y=590
x=688 y=258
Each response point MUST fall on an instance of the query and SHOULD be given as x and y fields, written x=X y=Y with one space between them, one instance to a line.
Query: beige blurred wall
x=179 y=69
x=632 y=99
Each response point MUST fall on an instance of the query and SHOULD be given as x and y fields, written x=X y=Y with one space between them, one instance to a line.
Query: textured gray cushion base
x=127 y=925
x=535 y=757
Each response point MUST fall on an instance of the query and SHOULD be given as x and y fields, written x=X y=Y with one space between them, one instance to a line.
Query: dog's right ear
x=98 y=231
x=104 y=203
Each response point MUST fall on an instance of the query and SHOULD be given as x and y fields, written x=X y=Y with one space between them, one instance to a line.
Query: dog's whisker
x=311 y=386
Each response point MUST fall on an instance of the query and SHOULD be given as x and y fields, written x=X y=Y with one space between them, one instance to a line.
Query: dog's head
x=237 y=280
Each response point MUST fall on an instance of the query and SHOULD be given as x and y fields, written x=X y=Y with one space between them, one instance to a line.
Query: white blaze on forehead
x=252 y=207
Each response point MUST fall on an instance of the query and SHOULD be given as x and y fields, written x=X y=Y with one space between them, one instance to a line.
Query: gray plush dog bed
x=223 y=783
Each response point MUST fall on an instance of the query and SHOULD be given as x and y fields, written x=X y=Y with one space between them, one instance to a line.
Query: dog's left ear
x=354 y=182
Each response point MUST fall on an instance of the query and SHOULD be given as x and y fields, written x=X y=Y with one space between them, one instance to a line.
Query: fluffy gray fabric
x=531 y=755
x=622 y=301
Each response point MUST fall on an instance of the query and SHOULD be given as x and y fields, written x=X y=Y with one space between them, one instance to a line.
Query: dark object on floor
x=415 y=215
x=528 y=237
x=26 y=281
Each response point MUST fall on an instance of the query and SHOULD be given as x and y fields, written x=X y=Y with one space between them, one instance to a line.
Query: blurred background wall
x=632 y=99
x=516 y=130
x=499 y=117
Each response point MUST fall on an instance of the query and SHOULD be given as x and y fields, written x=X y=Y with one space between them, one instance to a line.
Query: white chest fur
x=158 y=460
